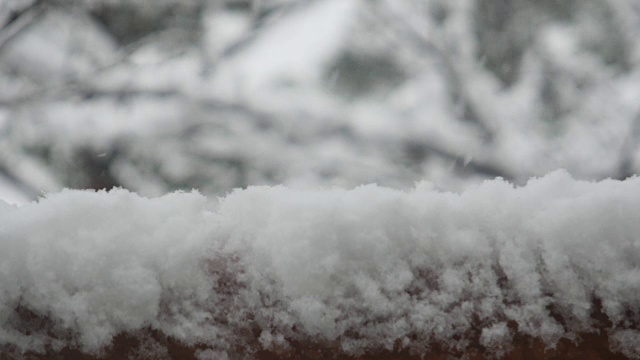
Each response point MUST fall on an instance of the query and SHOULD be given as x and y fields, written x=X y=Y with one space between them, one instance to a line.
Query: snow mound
x=369 y=268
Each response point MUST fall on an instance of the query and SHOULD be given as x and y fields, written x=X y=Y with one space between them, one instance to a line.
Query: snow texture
x=368 y=268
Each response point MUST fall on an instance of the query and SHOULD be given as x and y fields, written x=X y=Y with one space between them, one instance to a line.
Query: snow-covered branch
x=274 y=270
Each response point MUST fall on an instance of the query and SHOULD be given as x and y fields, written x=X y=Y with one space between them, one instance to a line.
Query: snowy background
x=155 y=96
x=418 y=96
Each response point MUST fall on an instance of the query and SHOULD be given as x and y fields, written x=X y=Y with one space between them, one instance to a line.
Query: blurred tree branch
x=456 y=103
x=20 y=21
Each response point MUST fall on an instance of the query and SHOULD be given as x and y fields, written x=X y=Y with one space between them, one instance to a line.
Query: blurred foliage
x=162 y=95
x=358 y=74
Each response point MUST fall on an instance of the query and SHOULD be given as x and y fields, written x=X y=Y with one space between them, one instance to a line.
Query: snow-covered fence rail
x=271 y=272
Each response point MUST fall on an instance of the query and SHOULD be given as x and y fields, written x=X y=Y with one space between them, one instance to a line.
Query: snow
x=627 y=342
x=367 y=268
x=292 y=49
x=10 y=193
x=258 y=88
x=63 y=54
x=100 y=263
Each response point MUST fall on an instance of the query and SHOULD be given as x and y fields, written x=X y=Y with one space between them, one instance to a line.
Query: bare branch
x=21 y=21
x=429 y=48
x=625 y=168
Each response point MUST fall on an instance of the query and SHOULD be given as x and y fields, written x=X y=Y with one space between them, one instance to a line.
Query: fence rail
x=551 y=268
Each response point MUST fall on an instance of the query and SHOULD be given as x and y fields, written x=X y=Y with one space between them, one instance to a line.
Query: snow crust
x=367 y=268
